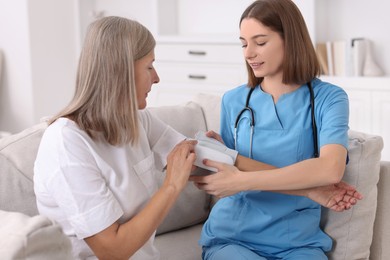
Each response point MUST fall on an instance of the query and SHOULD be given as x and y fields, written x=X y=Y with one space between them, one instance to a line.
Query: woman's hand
x=214 y=135
x=220 y=184
x=180 y=164
x=337 y=197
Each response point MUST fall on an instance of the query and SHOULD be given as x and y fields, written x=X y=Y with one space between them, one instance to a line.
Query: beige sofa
x=360 y=233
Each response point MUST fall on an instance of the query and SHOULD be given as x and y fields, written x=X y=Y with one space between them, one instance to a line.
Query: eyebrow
x=254 y=37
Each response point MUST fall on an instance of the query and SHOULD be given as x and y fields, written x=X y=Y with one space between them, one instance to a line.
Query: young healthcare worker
x=282 y=117
x=96 y=165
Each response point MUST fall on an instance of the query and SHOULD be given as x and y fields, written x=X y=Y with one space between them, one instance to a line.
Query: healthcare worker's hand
x=220 y=184
x=337 y=197
x=180 y=164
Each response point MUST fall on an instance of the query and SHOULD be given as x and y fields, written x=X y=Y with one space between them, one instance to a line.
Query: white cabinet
x=187 y=68
x=369 y=100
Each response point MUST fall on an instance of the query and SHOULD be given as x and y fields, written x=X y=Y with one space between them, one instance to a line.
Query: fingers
x=214 y=135
x=214 y=164
x=351 y=192
x=184 y=148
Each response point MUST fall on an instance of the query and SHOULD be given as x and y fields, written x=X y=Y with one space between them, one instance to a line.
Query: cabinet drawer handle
x=197 y=77
x=198 y=53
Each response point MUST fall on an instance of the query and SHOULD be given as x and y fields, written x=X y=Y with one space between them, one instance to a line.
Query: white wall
x=38 y=40
x=15 y=84
x=345 y=19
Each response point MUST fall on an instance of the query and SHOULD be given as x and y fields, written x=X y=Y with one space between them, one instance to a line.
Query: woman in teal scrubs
x=253 y=219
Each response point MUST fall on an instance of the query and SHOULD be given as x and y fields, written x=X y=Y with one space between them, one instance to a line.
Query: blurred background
x=40 y=41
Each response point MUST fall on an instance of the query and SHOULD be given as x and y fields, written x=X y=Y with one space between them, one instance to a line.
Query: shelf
x=360 y=83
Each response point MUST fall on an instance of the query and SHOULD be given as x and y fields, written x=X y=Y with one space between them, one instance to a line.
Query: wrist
x=170 y=189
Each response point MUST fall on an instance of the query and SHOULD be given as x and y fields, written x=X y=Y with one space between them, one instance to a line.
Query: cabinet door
x=203 y=74
x=177 y=93
x=381 y=120
x=360 y=110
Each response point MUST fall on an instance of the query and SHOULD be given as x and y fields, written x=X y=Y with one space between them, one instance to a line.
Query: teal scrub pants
x=238 y=252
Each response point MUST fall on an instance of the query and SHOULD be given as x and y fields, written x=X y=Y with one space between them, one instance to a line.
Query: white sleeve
x=76 y=184
x=162 y=137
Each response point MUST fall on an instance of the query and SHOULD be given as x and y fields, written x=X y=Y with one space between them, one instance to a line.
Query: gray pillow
x=352 y=230
x=17 y=156
x=193 y=205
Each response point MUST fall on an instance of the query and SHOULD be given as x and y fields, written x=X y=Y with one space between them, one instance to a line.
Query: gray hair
x=105 y=99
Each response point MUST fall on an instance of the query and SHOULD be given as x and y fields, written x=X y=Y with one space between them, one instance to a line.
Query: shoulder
x=232 y=94
x=62 y=134
x=150 y=116
x=60 y=127
x=327 y=91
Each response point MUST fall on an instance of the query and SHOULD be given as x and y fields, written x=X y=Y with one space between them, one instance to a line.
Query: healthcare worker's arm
x=328 y=168
x=338 y=197
x=120 y=241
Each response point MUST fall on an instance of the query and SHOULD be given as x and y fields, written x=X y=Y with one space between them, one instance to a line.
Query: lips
x=256 y=65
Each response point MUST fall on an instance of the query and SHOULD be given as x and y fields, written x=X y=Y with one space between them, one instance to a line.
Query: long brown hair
x=283 y=16
x=105 y=99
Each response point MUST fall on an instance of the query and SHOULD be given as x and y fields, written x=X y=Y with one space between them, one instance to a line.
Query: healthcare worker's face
x=145 y=77
x=263 y=48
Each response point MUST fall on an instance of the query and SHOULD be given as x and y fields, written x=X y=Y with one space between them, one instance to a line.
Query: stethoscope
x=252 y=121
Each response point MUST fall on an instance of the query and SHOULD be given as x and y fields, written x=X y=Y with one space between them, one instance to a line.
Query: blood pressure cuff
x=212 y=149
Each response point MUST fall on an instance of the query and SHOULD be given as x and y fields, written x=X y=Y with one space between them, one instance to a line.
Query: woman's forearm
x=246 y=164
x=295 y=179
x=120 y=241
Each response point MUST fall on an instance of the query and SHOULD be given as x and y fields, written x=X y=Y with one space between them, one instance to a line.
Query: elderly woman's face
x=145 y=77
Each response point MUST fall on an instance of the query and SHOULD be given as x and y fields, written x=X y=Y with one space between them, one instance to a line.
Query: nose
x=156 y=78
x=249 y=52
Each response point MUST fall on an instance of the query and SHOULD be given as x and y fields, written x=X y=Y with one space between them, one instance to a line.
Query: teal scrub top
x=266 y=222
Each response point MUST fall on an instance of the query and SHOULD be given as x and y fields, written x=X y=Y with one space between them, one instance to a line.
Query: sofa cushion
x=186 y=118
x=211 y=107
x=25 y=237
x=193 y=205
x=352 y=230
x=180 y=245
x=17 y=156
x=380 y=248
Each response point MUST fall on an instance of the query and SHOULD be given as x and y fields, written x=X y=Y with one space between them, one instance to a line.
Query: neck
x=275 y=87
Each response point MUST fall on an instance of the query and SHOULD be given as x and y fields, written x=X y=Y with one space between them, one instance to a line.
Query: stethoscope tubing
x=252 y=121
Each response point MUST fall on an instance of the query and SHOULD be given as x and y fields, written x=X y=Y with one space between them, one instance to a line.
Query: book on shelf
x=329 y=55
x=322 y=58
x=352 y=57
x=340 y=58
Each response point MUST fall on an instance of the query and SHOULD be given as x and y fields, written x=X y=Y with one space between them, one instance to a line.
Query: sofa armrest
x=380 y=244
x=25 y=237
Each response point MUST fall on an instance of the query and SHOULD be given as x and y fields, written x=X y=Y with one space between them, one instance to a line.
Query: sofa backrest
x=193 y=205
x=18 y=152
x=17 y=156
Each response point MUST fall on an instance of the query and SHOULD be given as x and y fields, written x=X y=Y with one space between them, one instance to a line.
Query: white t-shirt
x=87 y=185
